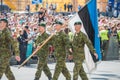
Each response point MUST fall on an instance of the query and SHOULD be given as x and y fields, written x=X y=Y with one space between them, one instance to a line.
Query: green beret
x=58 y=22
x=4 y=20
x=42 y=24
x=77 y=23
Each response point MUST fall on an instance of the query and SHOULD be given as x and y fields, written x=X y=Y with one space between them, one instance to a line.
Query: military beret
x=5 y=20
x=42 y=24
x=77 y=23
x=58 y=22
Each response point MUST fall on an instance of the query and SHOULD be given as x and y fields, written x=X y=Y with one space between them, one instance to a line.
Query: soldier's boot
x=36 y=79
x=68 y=78
x=49 y=78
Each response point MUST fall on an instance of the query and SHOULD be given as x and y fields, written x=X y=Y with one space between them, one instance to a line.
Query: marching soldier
x=60 y=42
x=79 y=41
x=42 y=54
x=5 y=53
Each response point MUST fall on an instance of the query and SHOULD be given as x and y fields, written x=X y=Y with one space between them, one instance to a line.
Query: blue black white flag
x=88 y=16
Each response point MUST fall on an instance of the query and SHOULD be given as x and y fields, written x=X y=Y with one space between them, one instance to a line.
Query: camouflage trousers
x=78 y=70
x=5 y=68
x=61 y=67
x=42 y=65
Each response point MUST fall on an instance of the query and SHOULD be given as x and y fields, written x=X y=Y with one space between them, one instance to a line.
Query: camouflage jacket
x=6 y=41
x=79 y=41
x=43 y=52
x=61 y=42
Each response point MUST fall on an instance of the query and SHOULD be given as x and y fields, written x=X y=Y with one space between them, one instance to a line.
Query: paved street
x=106 y=70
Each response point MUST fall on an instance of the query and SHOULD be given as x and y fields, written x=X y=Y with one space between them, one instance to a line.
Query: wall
x=21 y=4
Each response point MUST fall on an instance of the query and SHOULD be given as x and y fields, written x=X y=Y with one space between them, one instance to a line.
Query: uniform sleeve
x=88 y=43
x=13 y=42
x=15 y=47
x=8 y=36
x=66 y=41
x=52 y=40
x=38 y=40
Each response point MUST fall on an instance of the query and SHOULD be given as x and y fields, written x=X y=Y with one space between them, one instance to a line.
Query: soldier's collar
x=41 y=33
x=58 y=32
x=76 y=34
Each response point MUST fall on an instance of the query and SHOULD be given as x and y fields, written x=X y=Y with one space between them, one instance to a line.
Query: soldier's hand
x=17 y=58
x=70 y=57
x=96 y=55
x=71 y=50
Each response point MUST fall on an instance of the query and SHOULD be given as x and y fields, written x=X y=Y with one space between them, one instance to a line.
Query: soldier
x=79 y=41
x=5 y=53
x=60 y=42
x=42 y=54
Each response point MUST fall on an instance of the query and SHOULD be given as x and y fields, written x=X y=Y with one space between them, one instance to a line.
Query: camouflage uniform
x=5 y=53
x=60 y=40
x=80 y=39
x=42 y=55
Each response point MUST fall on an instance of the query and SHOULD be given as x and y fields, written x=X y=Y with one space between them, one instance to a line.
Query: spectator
x=110 y=10
x=30 y=44
x=65 y=6
x=54 y=8
x=118 y=33
x=22 y=46
x=68 y=6
x=47 y=6
x=79 y=7
x=104 y=41
x=71 y=7
x=27 y=8
x=42 y=13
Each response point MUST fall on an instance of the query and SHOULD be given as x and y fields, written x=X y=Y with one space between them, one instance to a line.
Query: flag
x=36 y=1
x=88 y=16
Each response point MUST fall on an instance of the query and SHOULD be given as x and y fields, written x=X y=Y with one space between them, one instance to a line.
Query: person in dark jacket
x=22 y=46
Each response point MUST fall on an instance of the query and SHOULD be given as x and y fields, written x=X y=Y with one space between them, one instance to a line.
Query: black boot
x=49 y=78
x=36 y=79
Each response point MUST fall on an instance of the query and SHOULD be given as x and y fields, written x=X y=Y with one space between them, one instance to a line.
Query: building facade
x=20 y=5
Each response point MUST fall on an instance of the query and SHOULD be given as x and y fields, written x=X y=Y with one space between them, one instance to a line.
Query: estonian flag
x=88 y=16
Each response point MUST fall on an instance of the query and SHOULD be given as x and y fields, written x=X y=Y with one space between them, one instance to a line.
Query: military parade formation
x=45 y=35
x=60 y=41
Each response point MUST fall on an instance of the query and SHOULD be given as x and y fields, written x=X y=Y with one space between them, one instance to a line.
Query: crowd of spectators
x=109 y=29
